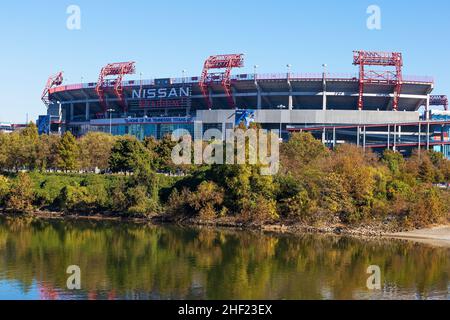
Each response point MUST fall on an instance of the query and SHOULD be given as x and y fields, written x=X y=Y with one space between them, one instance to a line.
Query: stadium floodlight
x=288 y=66
x=255 y=70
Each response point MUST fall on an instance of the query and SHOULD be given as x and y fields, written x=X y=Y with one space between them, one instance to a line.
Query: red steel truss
x=383 y=59
x=119 y=69
x=440 y=100
x=54 y=80
x=227 y=62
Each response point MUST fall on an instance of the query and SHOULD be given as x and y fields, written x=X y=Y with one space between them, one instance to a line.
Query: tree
x=426 y=170
x=30 y=146
x=4 y=150
x=95 y=150
x=128 y=155
x=302 y=149
x=48 y=152
x=394 y=161
x=4 y=189
x=141 y=202
x=207 y=200
x=21 y=195
x=164 y=154
x=68 y=152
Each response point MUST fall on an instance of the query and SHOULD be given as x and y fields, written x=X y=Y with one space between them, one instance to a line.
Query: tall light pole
x=255 y=70
x=324 y=85
x=289 y=66
x=184 y=75
x=110 y=120
x=324 y=66
x=281 y=107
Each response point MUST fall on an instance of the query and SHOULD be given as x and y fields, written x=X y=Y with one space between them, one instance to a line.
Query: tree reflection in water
x=126 y=261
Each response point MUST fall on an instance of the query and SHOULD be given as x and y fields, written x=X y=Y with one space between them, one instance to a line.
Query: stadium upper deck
x=258 y=91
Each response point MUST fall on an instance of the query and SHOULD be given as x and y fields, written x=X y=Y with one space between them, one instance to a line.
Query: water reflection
x=125 y=261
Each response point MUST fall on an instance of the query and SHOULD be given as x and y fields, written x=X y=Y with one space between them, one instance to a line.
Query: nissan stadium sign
x=162 y=97
x=161 y=93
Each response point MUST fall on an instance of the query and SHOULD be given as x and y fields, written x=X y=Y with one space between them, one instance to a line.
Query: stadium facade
x=375 y=109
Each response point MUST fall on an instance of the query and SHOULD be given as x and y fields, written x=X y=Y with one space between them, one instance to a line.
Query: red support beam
x=119 y=70
x=227 y=62
x=54 y=80
x=382 y=59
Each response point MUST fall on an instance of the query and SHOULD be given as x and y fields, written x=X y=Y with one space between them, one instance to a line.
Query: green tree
x=5 y=186
x=95 y=150
x=163 y=150
x=26 y=147
x=128 y=155
x=21 y=196
x=302 y=149
x=48 y=152
x=426 y=170
x=394 y=161
x=4 y=151
x=68 y=152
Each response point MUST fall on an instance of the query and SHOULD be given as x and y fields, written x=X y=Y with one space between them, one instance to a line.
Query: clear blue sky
x=165 y=37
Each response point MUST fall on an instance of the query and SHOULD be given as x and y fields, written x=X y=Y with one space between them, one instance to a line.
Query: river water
x=126 y=261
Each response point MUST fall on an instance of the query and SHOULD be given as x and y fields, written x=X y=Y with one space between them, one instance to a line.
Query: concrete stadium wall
x=341 y=117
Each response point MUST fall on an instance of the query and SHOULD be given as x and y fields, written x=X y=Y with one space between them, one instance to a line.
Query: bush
x=48 y=187
x=206 y=202
x=77 y=199
x=178 y=205
x=5 y=186
x=259 y=210
x=140 y=202
x=300 y=206
x=427 y=206
x=21 y=196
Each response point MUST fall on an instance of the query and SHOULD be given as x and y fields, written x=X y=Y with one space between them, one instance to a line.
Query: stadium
x=377 y=107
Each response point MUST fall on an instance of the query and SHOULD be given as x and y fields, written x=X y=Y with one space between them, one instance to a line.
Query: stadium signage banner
x=143 y=120
x=157 y=120
x=161 y=93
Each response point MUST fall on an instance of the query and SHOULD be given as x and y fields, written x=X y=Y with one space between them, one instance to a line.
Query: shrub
x=140 y=202
x=5 y=186
x=21 y=196
x=77 y=199
x=177 y=204
x=259 y=210
x=206 y=201
x=299 y=206
x=428 y=206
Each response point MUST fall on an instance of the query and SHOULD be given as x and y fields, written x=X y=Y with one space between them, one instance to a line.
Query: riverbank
x=436 y=236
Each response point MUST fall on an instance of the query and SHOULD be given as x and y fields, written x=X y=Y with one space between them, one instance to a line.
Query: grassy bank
x=316 y=188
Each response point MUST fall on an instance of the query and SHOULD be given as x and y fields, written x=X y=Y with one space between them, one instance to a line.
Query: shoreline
x=433 y=235
x=436 y=236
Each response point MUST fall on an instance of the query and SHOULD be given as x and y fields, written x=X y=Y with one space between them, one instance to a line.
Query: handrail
x=243 y=77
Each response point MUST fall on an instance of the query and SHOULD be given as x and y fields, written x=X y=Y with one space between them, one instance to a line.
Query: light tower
x=119 y=69
x=383 y=59
x=227 y=62
x=54 y=80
